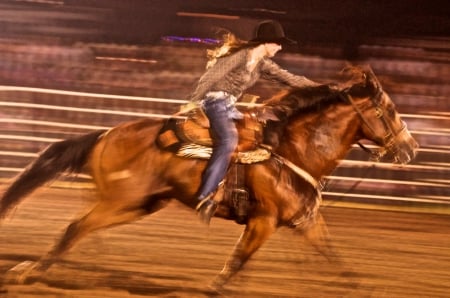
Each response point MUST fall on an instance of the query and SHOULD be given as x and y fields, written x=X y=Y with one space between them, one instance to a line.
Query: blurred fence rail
x=32 y=118
x=111 y=83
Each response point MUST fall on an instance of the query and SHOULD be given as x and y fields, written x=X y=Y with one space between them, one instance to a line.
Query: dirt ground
x=170 y=254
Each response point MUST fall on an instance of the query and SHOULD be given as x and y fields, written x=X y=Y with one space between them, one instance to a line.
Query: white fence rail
x=32 y=118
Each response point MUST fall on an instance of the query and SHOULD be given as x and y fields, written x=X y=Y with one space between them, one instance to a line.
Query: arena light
x=207 y=15
x=173 y=38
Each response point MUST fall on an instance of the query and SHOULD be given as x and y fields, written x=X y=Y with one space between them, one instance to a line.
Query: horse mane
x=359 y=81
x=288 y=103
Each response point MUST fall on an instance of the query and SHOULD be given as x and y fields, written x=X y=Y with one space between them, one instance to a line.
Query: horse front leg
x=257 y=231
x=317 y=234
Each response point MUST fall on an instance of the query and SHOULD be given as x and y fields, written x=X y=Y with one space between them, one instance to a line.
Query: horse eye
x=391 y=111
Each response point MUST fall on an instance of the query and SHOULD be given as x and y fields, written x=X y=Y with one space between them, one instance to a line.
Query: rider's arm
x=272 y=71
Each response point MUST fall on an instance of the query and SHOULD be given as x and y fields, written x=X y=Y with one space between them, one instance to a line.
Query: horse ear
x=347 y=71
x=353 y=75
x=372 y=78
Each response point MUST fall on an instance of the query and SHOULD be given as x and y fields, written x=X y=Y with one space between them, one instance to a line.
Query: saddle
x=190 y=138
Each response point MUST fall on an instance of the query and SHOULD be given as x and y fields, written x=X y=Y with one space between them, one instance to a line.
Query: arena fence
x=32 y=118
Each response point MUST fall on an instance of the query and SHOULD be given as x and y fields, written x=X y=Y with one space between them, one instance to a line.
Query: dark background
x=305 y=20
x=326 y=24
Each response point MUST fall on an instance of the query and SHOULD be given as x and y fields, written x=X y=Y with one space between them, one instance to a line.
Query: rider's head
x=270 y=31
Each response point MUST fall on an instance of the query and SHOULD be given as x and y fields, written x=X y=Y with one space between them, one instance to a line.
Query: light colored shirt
x=230 y=74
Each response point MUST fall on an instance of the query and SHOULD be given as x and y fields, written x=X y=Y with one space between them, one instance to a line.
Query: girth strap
x=302 y=218
x=302 y=173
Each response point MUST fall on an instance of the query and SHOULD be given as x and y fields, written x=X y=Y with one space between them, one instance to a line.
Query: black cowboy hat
x=271 y=31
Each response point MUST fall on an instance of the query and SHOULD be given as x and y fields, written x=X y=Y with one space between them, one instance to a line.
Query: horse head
x=380 y=121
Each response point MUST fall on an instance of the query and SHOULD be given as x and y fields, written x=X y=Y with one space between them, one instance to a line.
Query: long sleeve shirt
x=231 y=74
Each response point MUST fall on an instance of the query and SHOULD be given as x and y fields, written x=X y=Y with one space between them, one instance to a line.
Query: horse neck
x=317 y=141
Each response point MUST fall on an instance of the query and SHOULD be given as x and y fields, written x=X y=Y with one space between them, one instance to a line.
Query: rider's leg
x=225 y=139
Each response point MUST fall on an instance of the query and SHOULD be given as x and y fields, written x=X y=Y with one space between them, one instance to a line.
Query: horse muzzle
x=402 y=148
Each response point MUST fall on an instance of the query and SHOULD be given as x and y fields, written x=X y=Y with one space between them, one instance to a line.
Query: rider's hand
x=188 y=107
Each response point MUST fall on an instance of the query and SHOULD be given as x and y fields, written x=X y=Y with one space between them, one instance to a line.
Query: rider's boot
x=206 y=208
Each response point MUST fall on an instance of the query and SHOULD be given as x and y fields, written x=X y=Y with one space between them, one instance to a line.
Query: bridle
x=390 y=137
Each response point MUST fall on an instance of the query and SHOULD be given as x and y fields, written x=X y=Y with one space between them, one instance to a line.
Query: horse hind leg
x=101 y=216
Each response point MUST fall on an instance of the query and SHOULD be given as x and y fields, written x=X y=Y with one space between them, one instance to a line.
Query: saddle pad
x=191 y=138
x=204 y=152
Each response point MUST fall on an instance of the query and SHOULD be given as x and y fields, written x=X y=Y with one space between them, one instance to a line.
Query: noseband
x=389 y=140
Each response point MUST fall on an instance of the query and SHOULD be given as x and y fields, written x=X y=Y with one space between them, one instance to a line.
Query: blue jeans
x=225 y=139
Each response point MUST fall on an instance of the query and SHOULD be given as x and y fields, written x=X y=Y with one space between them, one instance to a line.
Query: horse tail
x=64 y=156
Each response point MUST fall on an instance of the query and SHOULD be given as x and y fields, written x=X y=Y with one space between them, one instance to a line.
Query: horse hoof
x=19 y=273
x=216 y=287
x=213 y=291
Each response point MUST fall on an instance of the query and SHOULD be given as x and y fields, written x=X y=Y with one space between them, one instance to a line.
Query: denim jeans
x=225 y=139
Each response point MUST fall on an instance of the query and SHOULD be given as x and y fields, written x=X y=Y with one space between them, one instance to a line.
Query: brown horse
x=134 y=177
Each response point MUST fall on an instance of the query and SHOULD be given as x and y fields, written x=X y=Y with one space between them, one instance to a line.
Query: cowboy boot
x=206 y=209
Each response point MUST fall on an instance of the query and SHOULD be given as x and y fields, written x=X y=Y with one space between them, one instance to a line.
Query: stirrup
x=203 y=202
x=206 y=209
